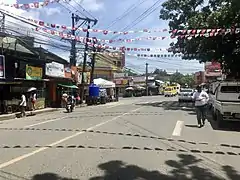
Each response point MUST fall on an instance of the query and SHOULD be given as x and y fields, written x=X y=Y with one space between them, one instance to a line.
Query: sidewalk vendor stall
x=108 y=85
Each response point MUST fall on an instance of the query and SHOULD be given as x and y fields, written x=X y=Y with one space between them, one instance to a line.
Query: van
x=170 y=91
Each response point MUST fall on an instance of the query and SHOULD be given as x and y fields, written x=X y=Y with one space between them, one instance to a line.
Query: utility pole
x=146 y=79
x=85 y=52
x=95 y=50
x=73 y=43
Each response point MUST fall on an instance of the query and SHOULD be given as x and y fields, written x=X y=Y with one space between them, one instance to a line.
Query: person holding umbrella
x=33 y=96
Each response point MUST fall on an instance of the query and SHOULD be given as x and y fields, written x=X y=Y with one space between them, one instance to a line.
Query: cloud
x=93 y=5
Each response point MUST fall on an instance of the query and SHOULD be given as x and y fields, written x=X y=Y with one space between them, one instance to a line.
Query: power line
x=141 y=17
x=84 y=10
x=130 y=9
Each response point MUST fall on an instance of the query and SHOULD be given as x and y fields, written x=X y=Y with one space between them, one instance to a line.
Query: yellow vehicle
x=170 y=91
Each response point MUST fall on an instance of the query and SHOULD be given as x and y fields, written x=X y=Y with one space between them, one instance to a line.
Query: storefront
x=58 y=83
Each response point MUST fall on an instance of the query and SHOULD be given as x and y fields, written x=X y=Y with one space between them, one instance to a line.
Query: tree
x=182 y=79
x=213 y=14
x=176 y=78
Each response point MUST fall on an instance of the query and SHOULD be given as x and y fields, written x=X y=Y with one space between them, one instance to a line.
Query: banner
x=55 y=70
x=2 y=67
x=33 y=73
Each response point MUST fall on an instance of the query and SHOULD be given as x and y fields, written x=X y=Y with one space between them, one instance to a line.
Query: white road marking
x=178 y=128
x=17 y=159
x=115 y=105
x=44 y=122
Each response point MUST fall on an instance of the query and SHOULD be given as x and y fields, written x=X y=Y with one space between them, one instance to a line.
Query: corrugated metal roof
x=10 y=43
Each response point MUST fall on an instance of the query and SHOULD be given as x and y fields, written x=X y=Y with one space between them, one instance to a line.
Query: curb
x=31 y=113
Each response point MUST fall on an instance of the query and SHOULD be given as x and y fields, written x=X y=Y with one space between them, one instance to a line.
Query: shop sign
x=33 y=73
x=119 y=75
x=2 y=67
x=55 y=70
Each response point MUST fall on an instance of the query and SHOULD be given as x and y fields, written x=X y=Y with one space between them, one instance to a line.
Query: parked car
x=225 y=101
x=185 y=95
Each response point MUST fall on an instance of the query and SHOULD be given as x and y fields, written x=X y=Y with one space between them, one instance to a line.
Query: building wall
x=199 y=77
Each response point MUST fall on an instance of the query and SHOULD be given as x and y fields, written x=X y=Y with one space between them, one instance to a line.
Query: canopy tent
x=68 y=86
x=102 y=83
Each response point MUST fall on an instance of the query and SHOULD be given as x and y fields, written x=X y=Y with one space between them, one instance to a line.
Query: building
x=107 y=64
x=199 y=77
x=213 y=71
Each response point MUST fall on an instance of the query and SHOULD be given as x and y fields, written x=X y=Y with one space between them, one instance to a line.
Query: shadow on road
x=50 y=176
x=185 y=169
x=190 y=109
x=171 y=105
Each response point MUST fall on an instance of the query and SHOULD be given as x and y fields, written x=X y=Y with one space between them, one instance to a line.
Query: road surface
x=147 y=138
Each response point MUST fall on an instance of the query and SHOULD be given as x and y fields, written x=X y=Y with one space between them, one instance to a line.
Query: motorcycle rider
x=71 y=100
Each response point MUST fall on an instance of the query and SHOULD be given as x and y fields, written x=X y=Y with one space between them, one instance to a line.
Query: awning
x=68 y=86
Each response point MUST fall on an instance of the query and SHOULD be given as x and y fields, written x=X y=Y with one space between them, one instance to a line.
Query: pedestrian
x=201 y=98
x=23 y=105
x=33 y=100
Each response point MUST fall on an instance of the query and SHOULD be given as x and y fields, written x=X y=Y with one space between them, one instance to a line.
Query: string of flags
x=84 y=39
x=175 y=32
x=33 y=5
x=141 y=55
x=158 y=55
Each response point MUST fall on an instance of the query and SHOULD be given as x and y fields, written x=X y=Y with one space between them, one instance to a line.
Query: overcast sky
x=107 y=12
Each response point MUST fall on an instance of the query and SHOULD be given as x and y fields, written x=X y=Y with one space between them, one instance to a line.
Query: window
x=230 y=89
x=186 y=90
x=168 y=89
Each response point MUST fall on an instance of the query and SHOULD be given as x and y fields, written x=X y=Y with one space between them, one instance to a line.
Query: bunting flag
x=175 y=32
x=161 y=55
x=211 y=32
x=33 y=5
x=105 y=32
x=84 y=39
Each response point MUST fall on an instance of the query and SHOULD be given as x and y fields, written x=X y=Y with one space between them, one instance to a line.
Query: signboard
x=2 y=67
x=33 y=73
x=55 y=70
x=119 y=75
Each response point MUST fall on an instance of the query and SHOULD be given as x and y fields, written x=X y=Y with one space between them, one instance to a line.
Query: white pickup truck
x=225 y=101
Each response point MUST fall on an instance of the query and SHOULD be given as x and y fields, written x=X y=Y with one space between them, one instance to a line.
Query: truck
x=225 y=101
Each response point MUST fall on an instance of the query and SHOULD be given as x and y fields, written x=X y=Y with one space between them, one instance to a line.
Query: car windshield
x=186 y=90
x=168 y=89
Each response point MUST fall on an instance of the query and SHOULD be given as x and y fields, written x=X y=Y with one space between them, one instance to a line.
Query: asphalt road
x=146 y=138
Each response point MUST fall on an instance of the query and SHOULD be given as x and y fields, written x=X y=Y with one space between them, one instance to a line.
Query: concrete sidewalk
x=36 y=112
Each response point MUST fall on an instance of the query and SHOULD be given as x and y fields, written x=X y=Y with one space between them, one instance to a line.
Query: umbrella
x=65 y=95
x=129 y=88
x=31 y=89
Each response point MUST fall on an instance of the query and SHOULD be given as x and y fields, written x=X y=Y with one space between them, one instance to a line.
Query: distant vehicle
x=170 y=91
x=185 y=94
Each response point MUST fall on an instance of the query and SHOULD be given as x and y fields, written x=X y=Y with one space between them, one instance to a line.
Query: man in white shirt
x=201 y=99
x=23 y=105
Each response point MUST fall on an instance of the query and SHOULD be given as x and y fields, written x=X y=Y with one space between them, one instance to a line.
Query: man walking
x=23 y=105
x=201 y=100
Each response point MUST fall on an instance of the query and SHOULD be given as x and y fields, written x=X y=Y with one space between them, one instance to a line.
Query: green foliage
x=182 y=79
x=210 y=14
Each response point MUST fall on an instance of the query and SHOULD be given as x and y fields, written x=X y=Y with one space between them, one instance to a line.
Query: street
x=147 y=138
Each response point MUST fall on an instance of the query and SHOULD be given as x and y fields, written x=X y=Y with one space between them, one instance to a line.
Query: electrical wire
x=140 y=17
x=130 y=9
x=84 y=10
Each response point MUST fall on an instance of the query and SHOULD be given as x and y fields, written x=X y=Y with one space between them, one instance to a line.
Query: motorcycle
x=69 y=107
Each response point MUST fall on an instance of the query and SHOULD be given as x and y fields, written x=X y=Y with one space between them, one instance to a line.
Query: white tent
x=102 y=83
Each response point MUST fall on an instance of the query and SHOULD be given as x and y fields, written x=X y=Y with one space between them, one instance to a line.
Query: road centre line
x=44 y=122
x=178 y=128
x=17 y=159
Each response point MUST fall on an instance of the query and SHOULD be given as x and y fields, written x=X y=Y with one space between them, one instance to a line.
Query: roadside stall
x=108 y=85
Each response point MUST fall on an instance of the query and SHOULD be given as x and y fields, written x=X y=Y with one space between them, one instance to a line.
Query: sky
x=108 y=13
